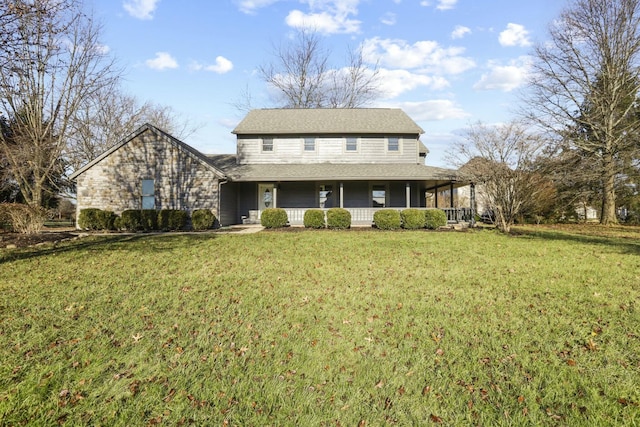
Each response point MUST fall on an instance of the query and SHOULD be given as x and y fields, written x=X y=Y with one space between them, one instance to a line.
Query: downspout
x=219 y=209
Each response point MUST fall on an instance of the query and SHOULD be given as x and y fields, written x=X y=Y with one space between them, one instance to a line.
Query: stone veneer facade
x=181 y=179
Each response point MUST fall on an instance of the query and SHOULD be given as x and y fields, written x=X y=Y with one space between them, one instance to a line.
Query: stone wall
x=181 y=180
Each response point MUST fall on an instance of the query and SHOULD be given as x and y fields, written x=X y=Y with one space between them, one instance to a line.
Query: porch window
x=393 y=144
x=351 y=144
x=378 y=196
x=267 y=144
x=148 y=194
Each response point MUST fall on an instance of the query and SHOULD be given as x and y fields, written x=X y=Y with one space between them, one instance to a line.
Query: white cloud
x=394 y=83
x=505 y=77
x=433 y=110
x=141 y=9
x=514 y=35
x=446 y=4
x=327 y=16
x=428 y=56
x=388 y=19
x=250 y=6
x=222 y=66
x=162 y=61
x=460 y=31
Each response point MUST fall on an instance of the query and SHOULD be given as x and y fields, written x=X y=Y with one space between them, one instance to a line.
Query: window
x=352 y=144
x=267 y=144
x=326 y=196
x=393 y=144
x=309 y=144
x=379 y=196
x=148 y=194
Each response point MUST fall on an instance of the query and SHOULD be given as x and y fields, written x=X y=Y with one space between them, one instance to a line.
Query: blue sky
x=447 y=63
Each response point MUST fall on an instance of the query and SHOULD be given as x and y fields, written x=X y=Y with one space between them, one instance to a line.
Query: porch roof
x=331 y=171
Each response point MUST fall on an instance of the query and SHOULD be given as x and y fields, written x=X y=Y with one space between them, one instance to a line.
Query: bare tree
x=500 y=160
x=302 y=77
x=108 y=116
x=585 y=82
x=57 y=62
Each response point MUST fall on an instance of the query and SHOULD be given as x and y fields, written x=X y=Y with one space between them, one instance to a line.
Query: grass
x=324 y=328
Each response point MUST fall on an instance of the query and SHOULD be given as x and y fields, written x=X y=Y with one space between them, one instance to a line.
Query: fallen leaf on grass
x=435 y=418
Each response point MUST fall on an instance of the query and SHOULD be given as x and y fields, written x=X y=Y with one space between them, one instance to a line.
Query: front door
x=266 y=196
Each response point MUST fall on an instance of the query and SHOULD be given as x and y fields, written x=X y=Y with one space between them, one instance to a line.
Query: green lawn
x=324 y=328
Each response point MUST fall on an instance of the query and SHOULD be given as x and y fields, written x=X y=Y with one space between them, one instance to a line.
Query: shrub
x=314 y=218
x=149 y=219
x=131 y=220
x=117 y=223
x=21 y=218
x=435 y=218
x=88 y=219
x=274 y=218
x=387 y=219
x=338 y=218
x=172 y=219
x=106 y=220
x=202 y=219
x=413 y=219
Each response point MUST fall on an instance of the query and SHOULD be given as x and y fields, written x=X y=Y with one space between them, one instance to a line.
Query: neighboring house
x=359 y=159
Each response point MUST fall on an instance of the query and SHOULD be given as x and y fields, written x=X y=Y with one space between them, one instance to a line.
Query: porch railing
x=364 y=216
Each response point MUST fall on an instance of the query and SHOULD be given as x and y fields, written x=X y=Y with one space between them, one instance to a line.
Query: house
x=359 y=159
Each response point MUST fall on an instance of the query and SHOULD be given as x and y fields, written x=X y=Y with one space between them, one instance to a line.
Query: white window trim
x=304 y=144
x=273 y=146
x=358 y=142
x=400 y=143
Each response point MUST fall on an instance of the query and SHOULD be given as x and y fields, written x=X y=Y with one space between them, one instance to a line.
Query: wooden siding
x=327 y=149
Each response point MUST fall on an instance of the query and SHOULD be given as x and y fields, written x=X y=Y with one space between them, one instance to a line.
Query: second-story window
x=351 y=144
x=267 y=144
x=393 y=144
x=309 y=144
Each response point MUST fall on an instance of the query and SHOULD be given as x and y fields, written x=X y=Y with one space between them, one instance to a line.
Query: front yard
x=324 y=328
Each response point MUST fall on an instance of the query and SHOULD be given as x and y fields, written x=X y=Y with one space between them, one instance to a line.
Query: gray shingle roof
x=324 y=121
x=326 y=171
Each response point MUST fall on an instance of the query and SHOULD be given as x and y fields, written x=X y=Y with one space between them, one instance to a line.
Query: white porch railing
x=361 y=216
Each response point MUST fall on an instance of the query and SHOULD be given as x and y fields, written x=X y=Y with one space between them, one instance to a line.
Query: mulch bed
x=18 y=240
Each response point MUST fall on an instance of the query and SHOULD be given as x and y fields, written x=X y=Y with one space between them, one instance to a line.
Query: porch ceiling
x=333 y=171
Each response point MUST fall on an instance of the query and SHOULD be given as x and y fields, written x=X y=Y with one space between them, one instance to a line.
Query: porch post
x=275 y=196
x=451 y=194
x=436 y=195
x=342 y=195
x=408 y=194
x=472 y=196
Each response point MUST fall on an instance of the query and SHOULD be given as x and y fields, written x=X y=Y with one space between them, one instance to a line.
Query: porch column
x=436 y=195
x=275 y=196
x=451 y=194
x=472 y=202
x=408 y=194
x=342 y=195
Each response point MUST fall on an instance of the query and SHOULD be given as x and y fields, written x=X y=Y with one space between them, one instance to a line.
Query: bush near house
x=88 y=219
x=149 y=219
x=202 y=219
x=22 y=218
x=338 y=218
x=435 y=218
x=413 y=219
x=314 y=218
x=387 y=219
x=130 y=220
x=274 y=218
x=172 y=219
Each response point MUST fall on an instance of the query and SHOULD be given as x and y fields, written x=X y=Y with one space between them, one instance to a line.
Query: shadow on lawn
x=630 y=245
x=158 y=242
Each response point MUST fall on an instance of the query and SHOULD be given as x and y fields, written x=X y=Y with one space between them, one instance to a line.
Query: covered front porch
x=361 y=198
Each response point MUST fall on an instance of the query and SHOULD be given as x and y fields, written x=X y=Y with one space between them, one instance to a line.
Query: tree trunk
x=608 y=216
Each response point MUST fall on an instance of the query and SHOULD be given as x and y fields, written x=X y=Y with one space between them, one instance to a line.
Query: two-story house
x=296 y=159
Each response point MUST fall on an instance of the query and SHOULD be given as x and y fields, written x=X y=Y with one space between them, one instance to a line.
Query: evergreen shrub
x=131 y=220
x=202 y=219
x=413 y=219
x=387 y=219
x=314 y=218
x=338 y=218
x=172 y=219
x=274 y=218
x=435 y=218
